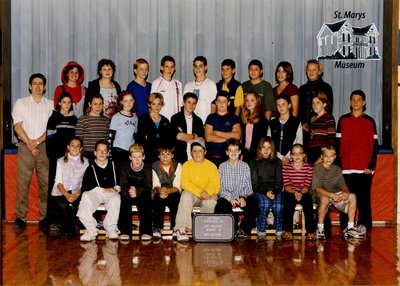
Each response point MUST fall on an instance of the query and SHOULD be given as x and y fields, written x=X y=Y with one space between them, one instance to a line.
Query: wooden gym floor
x=32 y=257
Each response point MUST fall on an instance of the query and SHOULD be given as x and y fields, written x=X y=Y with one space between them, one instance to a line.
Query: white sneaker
x=145 y=237
x=124 y=237
x=157 y=233
x=261 y=233
x=86 y=237
x=181 y=235
x=112 y=234
x=321 y=234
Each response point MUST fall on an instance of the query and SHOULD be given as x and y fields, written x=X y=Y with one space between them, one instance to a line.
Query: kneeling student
x=236 y=190
x=166 y=189
x=136 y=185
x=330 y=188
x=200 y=184
x=100 y=185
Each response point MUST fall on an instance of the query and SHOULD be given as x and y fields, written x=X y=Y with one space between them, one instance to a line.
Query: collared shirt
x=235 y=180
x=33 y=115
x=70 y=174
x=177 y=181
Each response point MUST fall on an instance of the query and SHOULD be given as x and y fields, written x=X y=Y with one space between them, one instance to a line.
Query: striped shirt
x=322 y=131
x=297 y=179
x=235 y=180
x=91 y=129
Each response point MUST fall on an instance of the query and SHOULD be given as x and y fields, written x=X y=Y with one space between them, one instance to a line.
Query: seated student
x=267 y=182
x=136 y=185
x=219 y=127
x=166 y=188
x=187 y=127
x=200 y=184
x=67 y=187
x=100 y=185
x=236 y=189
x=297 y=177
x=330 y=188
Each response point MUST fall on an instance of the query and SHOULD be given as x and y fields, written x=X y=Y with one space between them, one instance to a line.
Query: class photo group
x=219 y=146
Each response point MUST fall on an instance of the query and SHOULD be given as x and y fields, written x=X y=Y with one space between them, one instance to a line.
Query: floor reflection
x=31 y=257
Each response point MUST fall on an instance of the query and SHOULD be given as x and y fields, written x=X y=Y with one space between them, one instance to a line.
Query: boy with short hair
x=136 y=186
x=203 y=87
x=231 y=85
x=262 y=87
x=187 y=126
x=236 y=190
x=100 y=185
x=219 y=127
x=357 y=142
x=166 y=188
x=330 y=188
x=200 y=183
x=139 y=86
x=170 y=88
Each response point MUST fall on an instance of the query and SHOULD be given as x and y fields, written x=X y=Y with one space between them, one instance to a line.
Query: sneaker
x=19 y=223
x=157 y=233
x=261 y=233
x=145 y=237
x=241 y=234
x=279 y=235
x=124 y=237
x=311 y=236
x=355 y=232
x=86 y=237
x=181 y=235
x=321 y=234
x=112 y=234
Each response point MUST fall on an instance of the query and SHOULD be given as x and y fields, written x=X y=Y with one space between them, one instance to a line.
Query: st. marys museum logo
x=341 y=41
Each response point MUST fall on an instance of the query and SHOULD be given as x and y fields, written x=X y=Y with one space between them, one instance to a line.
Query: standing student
x=267 y=182
x=170 y=88
x=285 y=130
x=166 y=188
x=154 y=129
x=123 y=128
x=136 y=186
x=297 y=176
x=357 y=142
x=72 y=77
x=219 y=127
x=231 y=85
x=236 y=190
x=106 y=86
x=100 y=185
x=200 y=184
x=262 y=87
x=284 y=79
x=254 y=125
x=321 y=130
x=203 y=87
x=188 y=127
x=139 y=87
x=67 y=187
x=60 y=129
x=93 y=126
x=30 y=115
x=314 y=84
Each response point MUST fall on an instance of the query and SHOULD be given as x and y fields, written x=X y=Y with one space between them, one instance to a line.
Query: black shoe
x=43 y=222
x=19 y=223
x=240 y=234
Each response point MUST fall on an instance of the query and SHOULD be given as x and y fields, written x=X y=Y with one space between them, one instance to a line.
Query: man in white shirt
x=203 y=87
x=170 y=88
x=30 y=115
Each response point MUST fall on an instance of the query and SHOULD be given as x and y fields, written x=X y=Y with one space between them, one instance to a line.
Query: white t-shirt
x=206 y=92
x=172 y=93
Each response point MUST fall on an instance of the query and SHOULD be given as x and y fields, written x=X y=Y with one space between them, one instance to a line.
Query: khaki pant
x=26 y=164
x=184 y=214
